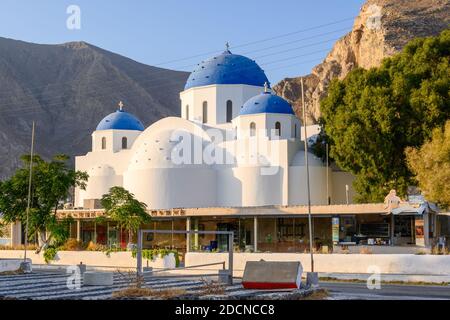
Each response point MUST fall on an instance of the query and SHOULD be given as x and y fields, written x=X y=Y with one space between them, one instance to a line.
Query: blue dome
x=266 y=103
x=227 y=68
x=120 y=120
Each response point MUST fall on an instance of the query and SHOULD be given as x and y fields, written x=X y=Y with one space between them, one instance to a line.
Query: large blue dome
x=266 y=103
x=227 y=68
x=120 y=120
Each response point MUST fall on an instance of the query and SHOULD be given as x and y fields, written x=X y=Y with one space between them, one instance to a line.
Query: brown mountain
x=67 y=89
x=382 y=29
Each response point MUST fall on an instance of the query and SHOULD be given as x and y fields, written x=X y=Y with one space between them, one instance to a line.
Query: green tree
x=51 y=183
x=371 y=116
x=431 y=165
x=121 y=206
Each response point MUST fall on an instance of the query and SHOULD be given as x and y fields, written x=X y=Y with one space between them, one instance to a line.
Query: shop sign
x=335 y=229
x=419 y=231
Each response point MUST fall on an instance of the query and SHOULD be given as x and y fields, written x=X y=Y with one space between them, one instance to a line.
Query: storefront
x=271 y=229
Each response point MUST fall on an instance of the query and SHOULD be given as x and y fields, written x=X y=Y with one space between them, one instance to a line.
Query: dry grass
x=11 y=273
x=30 y=247
x=440 y=251
x=133 y=279
x=135 y=288
x=319 y=294
x=145 y=292
x=211 y=287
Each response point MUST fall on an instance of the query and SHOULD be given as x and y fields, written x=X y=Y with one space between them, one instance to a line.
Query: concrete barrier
x=272 y=275
x=117 y=260
x=11 y=265
x=407 y=264
x=96 y=278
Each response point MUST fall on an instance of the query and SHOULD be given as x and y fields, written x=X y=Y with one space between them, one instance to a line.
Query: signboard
x=335 y=229
x=419 y=231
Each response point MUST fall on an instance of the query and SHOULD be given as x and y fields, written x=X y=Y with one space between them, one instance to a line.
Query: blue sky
x=156 y=31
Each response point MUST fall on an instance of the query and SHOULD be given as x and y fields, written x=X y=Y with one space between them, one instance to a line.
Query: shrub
x=18 y=247
x=151 y=254
x=96 y=247
x=72 y=245
x=50 y=254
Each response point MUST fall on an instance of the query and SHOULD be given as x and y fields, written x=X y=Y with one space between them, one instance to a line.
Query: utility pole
x=307 y=180
x=328 y=169
x=29 y=193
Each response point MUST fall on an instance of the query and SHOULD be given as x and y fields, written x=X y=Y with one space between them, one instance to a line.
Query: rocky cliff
x=67 y=89
x=382 y=28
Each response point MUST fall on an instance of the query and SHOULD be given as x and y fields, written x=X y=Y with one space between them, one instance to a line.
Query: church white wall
x=297 y=185
x=98 y=186
x=100 y=177
x=216 y=96
x=238 y=94
x=290 y=125
x=113 y=139
x=166 y=188
x=245 y=186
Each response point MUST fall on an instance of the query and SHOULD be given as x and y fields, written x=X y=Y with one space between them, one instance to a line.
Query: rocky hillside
x=67 y=89
x=382 y=29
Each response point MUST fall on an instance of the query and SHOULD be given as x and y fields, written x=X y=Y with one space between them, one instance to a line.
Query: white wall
x=166 y=188
x=113 y=139
x=336 y=263
x=246 y=186
x=266 y=122
x=216 y=97
x=298 y=189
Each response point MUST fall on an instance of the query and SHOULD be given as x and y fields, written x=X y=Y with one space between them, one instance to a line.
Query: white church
x=236 y=144
x=234 y=161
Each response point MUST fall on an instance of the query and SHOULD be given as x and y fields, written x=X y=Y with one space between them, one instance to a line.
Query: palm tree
x=122 y=207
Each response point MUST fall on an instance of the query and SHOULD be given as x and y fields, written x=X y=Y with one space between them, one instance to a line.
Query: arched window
x=229 y=111
x=278 y=128
x=186 y=111
x=205 y=112
x=124 y=143
x=103 y=143
x=252 y=129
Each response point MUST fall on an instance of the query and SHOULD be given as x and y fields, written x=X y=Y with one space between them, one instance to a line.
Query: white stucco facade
x=233 y=146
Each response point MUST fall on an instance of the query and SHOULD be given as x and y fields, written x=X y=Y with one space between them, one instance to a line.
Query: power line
x=29 y=110
x=259 y=41
x=59 y=84
x=148 y=80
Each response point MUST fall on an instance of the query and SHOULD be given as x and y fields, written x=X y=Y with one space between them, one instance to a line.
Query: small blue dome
x=227 y=68
x=266 y=103
x=120 y=120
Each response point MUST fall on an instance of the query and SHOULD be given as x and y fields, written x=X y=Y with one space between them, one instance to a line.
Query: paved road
x=52 y=285
x=43 y=285
x=349 y=290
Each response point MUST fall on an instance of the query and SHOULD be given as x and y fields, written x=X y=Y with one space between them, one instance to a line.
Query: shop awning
x=418 y=210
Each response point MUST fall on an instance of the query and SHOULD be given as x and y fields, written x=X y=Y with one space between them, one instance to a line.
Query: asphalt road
x=351 y=290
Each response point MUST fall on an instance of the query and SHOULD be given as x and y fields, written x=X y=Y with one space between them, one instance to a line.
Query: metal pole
x=307 y=180
x=29 y=193
x=328 y=168
x=255 y=234
x=346 y=194
x=230 y=258
x=139 y=253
